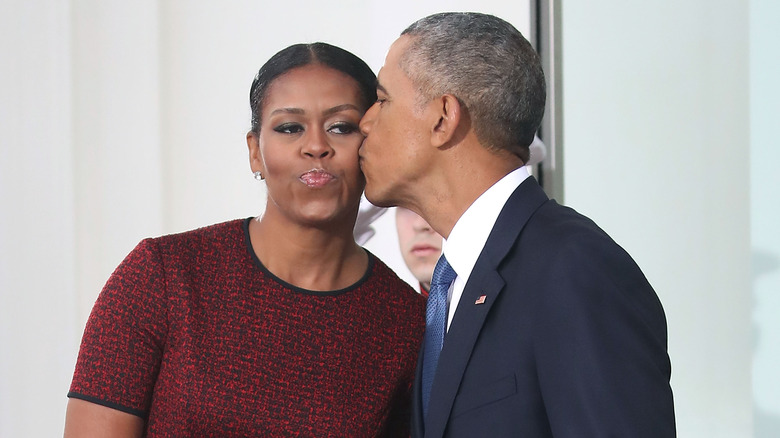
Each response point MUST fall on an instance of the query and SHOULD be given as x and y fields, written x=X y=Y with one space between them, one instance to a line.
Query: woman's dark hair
x=299 y=55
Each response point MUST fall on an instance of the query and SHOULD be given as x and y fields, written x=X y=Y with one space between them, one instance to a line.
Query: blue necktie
x=435 y=325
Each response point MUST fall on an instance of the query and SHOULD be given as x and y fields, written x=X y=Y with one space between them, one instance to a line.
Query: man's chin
x=377 y=198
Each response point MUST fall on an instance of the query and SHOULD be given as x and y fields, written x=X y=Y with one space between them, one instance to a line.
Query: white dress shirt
x=471 y=232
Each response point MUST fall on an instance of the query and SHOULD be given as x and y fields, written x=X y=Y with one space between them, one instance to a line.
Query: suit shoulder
x=556 y=223
x=560 y=236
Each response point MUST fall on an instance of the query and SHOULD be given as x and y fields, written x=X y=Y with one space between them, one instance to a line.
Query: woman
x=279 y=325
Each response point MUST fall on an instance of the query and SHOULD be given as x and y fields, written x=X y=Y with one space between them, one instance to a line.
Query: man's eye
x=289 y=128
x=343 y=128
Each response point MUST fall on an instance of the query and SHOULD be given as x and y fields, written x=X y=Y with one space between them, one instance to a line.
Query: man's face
x=396 y=152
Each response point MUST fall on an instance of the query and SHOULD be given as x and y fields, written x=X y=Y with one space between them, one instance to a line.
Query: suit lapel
x=470 y=317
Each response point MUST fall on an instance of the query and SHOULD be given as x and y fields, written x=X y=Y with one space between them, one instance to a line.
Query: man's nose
x=368 y=120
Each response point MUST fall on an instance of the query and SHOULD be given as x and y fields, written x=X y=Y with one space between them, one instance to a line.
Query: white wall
x=38 y=325
x=116 y=108
x=765 y=213
x=656 y=137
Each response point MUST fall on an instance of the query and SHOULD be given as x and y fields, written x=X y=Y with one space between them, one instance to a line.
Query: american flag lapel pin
x=481 y=299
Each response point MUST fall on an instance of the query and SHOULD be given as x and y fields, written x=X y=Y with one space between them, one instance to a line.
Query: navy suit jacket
x=569 y=342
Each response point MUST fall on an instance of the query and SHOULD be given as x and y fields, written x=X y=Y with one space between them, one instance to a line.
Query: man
x=551 y=328
x=420 y=246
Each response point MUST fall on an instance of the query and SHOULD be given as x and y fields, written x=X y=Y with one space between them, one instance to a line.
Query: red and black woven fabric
x=192 y=333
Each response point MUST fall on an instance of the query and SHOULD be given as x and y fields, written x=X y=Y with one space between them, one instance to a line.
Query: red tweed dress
x=192 y=333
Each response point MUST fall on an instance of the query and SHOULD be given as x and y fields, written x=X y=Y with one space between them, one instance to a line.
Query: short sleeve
x=124 y=338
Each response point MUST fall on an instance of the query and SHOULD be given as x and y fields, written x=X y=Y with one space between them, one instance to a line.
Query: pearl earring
x=259 y=176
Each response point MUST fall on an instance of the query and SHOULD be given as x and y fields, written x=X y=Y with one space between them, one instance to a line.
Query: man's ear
x=449 y=112
x=255 y=157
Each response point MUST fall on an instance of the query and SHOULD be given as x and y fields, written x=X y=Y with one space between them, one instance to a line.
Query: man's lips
x=316 y=178
x=422 y=250
x=360 y=153
x=361 y=157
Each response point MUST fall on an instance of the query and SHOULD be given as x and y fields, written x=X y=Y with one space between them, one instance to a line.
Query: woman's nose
x=317 y=145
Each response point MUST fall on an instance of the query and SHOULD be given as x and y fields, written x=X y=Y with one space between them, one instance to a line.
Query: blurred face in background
x=420 y=245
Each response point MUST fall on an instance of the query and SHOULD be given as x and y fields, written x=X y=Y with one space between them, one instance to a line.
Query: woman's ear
x=447 y=109
x=255 y=157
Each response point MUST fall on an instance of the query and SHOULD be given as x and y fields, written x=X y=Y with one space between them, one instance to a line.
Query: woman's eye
x=343 y=128
x=289 y=128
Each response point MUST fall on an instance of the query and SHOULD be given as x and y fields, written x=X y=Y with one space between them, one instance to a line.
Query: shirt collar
x=472 y=229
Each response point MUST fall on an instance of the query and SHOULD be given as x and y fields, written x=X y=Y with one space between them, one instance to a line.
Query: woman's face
x=307 y=148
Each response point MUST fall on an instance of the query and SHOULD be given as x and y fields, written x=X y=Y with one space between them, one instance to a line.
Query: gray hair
x=488 y=66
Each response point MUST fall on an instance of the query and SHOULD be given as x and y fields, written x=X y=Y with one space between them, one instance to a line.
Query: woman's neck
x=312 y=258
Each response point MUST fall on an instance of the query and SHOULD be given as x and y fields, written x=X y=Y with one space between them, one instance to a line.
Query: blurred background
x=123 y=120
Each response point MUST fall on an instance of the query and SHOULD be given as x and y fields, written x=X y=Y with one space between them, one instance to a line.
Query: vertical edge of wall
x=547 y=39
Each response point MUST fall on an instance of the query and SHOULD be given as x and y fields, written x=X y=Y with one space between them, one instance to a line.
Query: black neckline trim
x=256 y=261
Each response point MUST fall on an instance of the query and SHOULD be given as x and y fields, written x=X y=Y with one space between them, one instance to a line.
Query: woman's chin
x=329 y=217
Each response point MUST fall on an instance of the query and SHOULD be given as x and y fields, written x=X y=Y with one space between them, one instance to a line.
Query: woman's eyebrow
x=339 y=108
x=288 y=111
x=327 y=112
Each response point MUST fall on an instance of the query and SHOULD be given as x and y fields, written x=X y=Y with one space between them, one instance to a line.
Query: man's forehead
x=392 y=62
x=381 y=80
x=397 y=49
